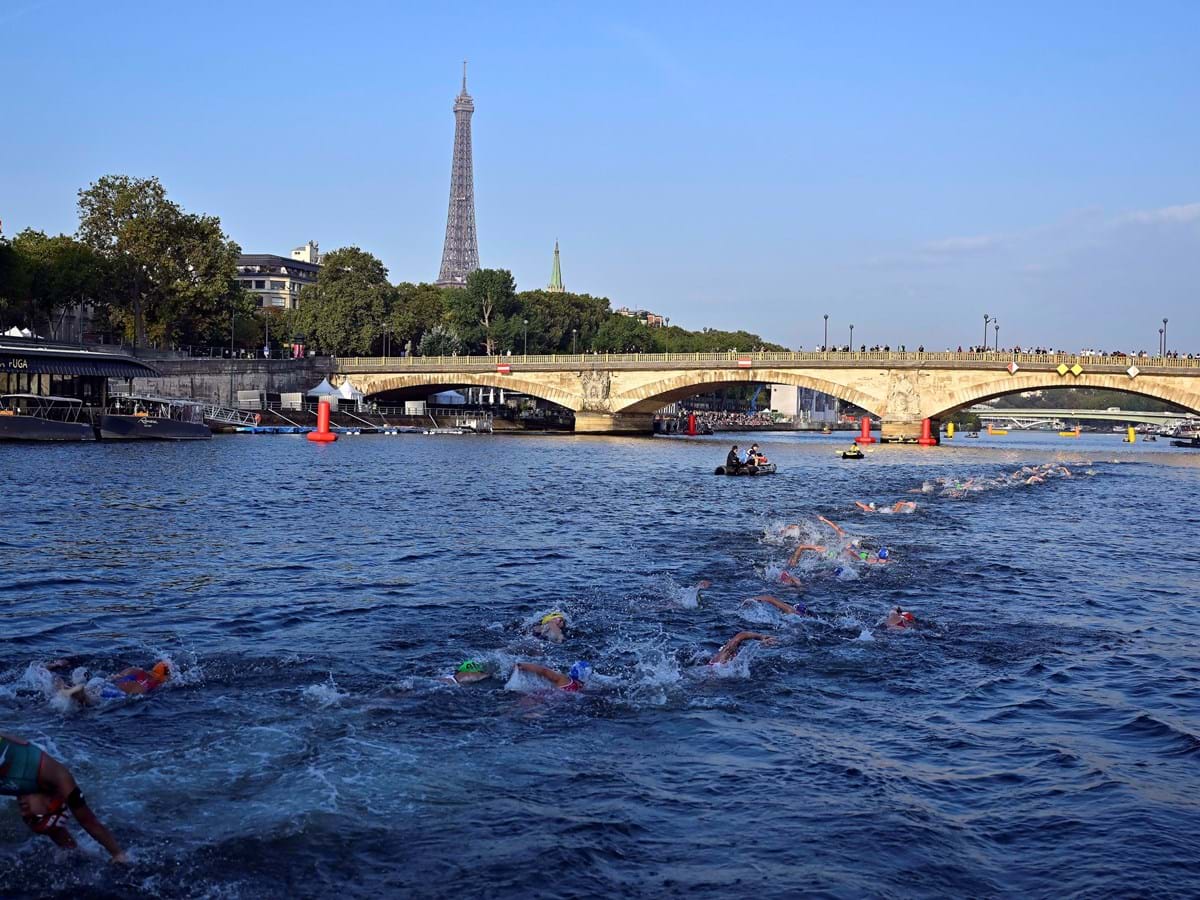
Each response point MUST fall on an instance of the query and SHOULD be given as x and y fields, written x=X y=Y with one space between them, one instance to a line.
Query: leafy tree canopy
x=346 y=311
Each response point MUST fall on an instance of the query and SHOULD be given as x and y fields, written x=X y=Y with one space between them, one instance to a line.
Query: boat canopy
x=42 y=359
x=41 y=398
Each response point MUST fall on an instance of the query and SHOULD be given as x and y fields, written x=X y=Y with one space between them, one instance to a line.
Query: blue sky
x=905 y=167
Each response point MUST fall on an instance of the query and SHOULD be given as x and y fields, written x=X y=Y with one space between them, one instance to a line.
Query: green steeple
x=556 y=285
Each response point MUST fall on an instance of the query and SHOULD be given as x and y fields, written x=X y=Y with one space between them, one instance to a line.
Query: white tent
x=325 y=391
x=18 y=332
x=349 y=392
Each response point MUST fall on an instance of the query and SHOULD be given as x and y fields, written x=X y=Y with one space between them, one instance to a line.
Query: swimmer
x=46 y=792
x=553 y=628
x=841 y=532
x=689 y=598
x=468 y=672
x=900 y=506
x=899 y=619
x=866 y=507
x=880 y=557
x=128 y=682
x=731 y=647
x=786 y=608
x=786 y=577
x=802 y=549
x=573 y=681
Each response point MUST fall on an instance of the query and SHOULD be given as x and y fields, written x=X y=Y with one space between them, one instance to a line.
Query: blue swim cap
x=581 y=671
x=838 y=571
x=883 y=552
x=801 y=608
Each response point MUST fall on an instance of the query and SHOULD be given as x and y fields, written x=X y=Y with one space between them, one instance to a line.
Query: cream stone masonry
x=619 y=393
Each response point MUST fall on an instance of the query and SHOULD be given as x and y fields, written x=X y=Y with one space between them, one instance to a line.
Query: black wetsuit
x=732 y=463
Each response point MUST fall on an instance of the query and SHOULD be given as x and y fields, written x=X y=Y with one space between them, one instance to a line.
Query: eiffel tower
x=460 y=255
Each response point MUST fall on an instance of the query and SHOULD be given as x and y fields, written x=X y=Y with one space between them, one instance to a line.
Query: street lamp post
x=825 y=343
x=1164 y=353
x=986 y=319
x=574 y=335
x=232 y=322
x=851 y=338
x=996 y=323
x=667 y=333
x=1161 y=333
x=525 y=322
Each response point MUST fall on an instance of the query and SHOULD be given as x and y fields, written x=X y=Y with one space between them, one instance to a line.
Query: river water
x=1038 y=733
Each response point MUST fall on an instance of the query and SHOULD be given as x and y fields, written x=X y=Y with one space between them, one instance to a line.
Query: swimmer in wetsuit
x=900 y=619
x=573 y=681
x=733 y=646
x=552 y=628
x=46 y=792
x=128 y=682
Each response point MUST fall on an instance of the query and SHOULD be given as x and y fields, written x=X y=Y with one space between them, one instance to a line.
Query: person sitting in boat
x=755 y=456
x=733 y=462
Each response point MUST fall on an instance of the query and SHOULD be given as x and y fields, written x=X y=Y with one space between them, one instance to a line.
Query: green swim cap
x=470 y=666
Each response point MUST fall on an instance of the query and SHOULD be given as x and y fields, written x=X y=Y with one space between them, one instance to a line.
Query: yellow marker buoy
x=1131 y=435
x=949 y=430
x=1073 y=433
x=997 y=431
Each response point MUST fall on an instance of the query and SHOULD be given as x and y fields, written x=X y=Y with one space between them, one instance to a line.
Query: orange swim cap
x=161 y=670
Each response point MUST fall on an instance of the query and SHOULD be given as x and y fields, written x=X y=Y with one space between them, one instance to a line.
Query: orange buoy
x=926 y=439
x=322 y=435
x=691 y=430
x=864 y=436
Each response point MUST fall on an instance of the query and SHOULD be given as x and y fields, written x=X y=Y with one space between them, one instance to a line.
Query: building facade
x=804 y=405
x=653 y=320
x=277 y=280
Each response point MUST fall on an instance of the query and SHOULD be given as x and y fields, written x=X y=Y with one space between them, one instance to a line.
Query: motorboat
x=764 y=469
x=129 y=417
x=33 y=417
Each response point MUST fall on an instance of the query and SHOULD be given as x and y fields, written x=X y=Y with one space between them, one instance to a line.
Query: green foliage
x=345 y=312
x=623 y=334
x=709 y=340
x=439 y=341
x=485 y=314
x=170 y=274
x=551 y=317
x=416 y=310
x=1084 y=398
x=43 y=277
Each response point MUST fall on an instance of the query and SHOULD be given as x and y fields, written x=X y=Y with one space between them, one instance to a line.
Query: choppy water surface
x=1037 y=735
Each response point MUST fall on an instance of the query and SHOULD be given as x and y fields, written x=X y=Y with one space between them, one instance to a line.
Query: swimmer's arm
x=799 y=551
x=556 y=678
x=841 y=532
x=62 y=782
x=777 y=603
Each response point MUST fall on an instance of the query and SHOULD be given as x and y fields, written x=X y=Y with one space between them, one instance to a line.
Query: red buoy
x=927 y=439
x=864 y=436
x=691 y=424
x=322 y=435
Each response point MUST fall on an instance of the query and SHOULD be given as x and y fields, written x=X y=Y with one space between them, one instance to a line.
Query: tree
x=484 y=312
x=623 y=334
x=61 y=274
x=345 y=312
x=440 y=341
x=416 y=310
x=171 y=272
x=552 y=316
x=15 y=279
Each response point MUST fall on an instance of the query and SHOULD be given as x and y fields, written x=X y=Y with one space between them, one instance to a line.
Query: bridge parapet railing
x=365 y=365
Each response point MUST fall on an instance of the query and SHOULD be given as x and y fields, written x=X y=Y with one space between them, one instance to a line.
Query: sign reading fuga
x=14 y=364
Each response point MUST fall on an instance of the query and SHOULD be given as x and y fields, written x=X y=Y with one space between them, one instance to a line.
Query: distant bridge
x=619 y=393
x=1027 y=418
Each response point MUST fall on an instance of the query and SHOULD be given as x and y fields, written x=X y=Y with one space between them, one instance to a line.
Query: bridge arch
x=654 y=395
x=435 y=382
x=1165 y=388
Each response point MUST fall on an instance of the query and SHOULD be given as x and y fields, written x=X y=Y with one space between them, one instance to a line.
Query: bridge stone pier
x=620 y=393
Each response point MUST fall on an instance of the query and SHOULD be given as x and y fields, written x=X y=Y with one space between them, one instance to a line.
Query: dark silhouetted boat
x=128 y=417
x=32 y=417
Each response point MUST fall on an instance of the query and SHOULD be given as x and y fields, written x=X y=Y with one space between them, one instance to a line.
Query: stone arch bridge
x=619 y=393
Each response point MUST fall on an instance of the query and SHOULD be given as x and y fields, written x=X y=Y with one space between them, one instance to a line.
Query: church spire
x=556 y=285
